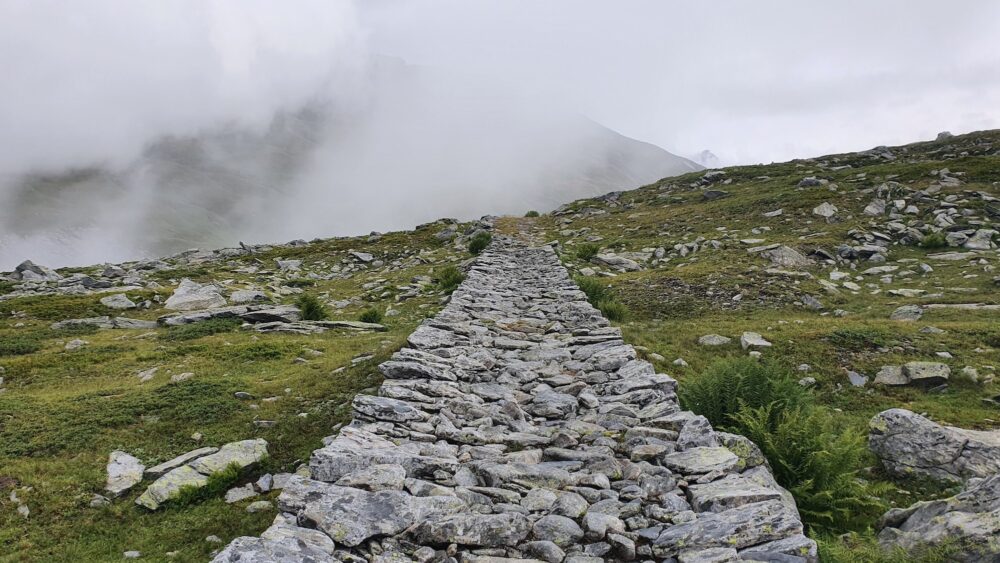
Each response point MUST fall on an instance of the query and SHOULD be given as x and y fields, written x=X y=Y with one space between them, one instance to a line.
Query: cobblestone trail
x=517 y=425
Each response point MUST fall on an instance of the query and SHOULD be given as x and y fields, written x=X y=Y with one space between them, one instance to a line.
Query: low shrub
x=479 y=242
x=371 y=315
x=613 y=310
x=934 y=240
x=299 y=282
x=727 y=386
x=312 y=308
x=858 y=339
x=585 y=252
x=449 y=278
x=532 y=213
x=18 y=345
x=595 y=289
x=200 y=329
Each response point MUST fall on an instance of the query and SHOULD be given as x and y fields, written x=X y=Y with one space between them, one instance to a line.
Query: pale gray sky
x=483 y=117
x=753 y=81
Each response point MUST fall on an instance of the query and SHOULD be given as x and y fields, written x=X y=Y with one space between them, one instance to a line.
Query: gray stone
x=169 y=486
x=753 y=340
x=560 y=530
x=243 y=454
x=118 y=301
x=190 y=296
x=968 y=522
x=907 y=313
x=714 y=340
x=379 y=477
x=910 y=445
x=178 y=461
x=124 y=472
x=482 y=530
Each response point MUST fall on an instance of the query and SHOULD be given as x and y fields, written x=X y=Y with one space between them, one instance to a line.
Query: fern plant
x=818 y=462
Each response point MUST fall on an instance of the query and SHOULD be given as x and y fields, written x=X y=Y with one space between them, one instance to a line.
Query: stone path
x=517 y=425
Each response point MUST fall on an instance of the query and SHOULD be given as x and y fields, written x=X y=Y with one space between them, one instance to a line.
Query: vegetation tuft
x=19 y=345
x=450 y=278
x=479 y=242
x=217 y=484
x=934 y=240
x=601 y=298
x=531 y=213
x=312 y=308
x=586 y=252
x=370 y=315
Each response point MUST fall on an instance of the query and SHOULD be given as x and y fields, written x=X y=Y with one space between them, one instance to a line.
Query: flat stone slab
x=158 y=470
x=169 y=486
x=242 y=454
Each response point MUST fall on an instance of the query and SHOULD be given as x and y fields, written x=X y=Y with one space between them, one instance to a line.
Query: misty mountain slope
x=419 y=146
x=912 y=235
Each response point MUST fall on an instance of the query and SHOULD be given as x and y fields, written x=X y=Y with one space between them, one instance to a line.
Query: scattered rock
x=910 y=445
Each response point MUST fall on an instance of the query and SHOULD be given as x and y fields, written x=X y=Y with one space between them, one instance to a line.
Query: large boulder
x=786 y=257
x=29 y=271
x=191 y=296
x=968 y=522
x=909 y=444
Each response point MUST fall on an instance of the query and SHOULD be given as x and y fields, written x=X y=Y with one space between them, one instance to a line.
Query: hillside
x=826 y=259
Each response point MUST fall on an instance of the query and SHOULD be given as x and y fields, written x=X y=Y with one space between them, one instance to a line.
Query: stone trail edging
x=518 y=425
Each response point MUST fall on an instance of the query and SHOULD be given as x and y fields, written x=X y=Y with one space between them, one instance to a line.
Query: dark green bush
x=728 y=386
x=6 y=287
x=479 y=242
x=601 y=298
x=613 y=310
x=531 y=213
x=858 y=339
x=312 y=308
x=17 y=345
x=371 y=315
x=198 y=330
x=595 y=289
x=934 y=240
x=818 y=462
x=585 y=252
x=299 y=282
x=449 y=278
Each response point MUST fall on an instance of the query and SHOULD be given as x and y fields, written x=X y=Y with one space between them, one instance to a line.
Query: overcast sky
x=443 y=107
x=752 y=81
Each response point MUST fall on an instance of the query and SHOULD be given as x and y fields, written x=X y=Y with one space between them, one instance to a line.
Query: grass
x=62 y=412
x=532 y=213
x=194 y=331
x=312 y=308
